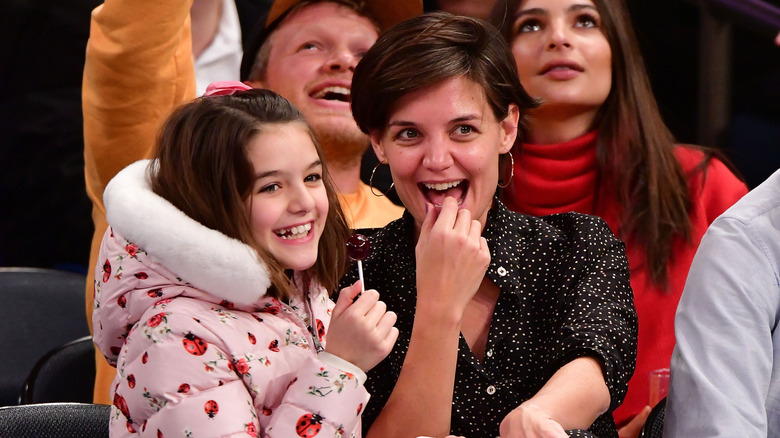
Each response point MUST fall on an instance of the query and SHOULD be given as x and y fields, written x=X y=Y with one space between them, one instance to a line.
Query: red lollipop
x=358 y=248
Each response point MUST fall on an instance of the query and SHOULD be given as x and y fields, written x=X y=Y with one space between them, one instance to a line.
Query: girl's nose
x=301 y=200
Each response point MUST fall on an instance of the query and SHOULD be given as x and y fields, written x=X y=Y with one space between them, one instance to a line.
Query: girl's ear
x=376 y=143
x=508 y=128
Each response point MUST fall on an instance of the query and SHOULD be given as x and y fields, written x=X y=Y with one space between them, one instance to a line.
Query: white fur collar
x=207 y=259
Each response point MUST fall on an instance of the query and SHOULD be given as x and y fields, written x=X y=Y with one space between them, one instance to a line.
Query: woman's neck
x=549 y=127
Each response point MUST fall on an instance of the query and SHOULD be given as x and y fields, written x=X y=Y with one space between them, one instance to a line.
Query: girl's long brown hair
x=635 y=148
x=203 y=170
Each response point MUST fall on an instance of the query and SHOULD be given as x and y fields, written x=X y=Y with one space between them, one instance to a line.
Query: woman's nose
x=437 y=155
x=558 y=36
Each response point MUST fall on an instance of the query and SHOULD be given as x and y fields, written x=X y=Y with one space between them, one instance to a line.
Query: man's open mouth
x=341 y=94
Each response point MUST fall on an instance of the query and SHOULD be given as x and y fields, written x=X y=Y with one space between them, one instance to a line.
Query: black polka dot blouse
x=565 y=293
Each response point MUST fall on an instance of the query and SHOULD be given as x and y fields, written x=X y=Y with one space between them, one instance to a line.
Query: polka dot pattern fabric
x=564 y=293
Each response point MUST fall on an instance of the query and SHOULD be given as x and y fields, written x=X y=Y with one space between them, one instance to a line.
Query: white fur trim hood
x=205 y=258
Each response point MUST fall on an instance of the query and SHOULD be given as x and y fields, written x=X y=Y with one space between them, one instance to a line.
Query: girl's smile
x=289 y=204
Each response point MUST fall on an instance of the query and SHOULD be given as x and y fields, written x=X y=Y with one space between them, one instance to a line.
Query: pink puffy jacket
x=200 y=351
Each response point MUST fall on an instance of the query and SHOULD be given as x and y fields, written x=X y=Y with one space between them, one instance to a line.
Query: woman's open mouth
x=436 y=192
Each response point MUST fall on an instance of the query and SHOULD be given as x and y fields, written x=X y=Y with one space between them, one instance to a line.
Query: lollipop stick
x=360 y=274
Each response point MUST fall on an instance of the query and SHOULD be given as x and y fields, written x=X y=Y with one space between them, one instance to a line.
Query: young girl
x=211 y=294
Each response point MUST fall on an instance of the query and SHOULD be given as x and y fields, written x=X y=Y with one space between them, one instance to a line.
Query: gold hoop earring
x=371 y=183
x=511 y=171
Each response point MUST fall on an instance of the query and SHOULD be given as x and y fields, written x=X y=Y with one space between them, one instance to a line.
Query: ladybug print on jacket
x=183 y=388
x=106 y=271
x=194 y=345
x=274 y=346
x=273 y=309
x=145 y=358
x=121 y=404
x=155 y=293
x=320 y=329
x=308 y=425
x=211 y=408
x=141 y=275
x=252 y=338
x=131 y=381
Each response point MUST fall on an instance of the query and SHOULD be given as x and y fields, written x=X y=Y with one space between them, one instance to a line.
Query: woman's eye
x=270 y=188
x=586 y=20
x=462 y=131
x=314 y=177
x=406 y=134
x=531 y=25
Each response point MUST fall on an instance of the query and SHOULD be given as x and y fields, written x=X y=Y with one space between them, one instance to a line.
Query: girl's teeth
x=441 y=186
x=297 y=232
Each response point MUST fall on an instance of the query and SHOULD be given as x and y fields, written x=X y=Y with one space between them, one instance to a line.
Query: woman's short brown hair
x=427 y=49
x=204 y=170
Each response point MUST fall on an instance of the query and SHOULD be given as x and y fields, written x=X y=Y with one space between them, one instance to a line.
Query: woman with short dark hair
x=508 y=323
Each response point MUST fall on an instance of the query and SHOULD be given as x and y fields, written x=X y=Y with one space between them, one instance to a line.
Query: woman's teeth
x=295 y=232
x=442 y=186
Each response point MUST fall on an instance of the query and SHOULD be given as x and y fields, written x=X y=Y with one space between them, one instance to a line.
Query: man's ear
x=376 y=143
x=509 y=128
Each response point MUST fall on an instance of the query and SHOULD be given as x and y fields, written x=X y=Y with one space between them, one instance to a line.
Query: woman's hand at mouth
x=452 y=258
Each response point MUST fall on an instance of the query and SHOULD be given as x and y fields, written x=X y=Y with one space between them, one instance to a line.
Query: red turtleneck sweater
x=556 y=178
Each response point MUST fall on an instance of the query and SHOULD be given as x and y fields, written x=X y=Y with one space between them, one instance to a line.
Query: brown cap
x=385 y=12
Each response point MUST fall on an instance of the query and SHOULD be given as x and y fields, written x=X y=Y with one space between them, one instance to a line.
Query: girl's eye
x=530 y=25
x=270 y=188
x=407 y=134
x=314 y=177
